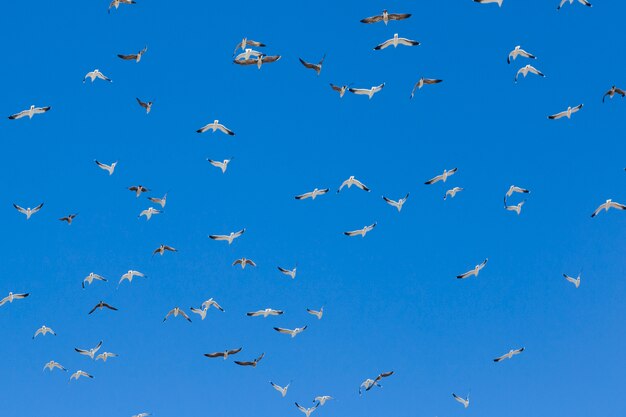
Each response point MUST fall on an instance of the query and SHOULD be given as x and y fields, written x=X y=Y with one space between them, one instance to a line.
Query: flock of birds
x=245 y=55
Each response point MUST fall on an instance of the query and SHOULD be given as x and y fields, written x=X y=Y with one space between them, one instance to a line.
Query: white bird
x=28 y=211
x=30 y=112
x=516 y=189
x=9 y=298
x=340 y=89
x=92 y=75
x=583 y=2
x=509 y=355
x=516 y=208
x=201 y=312
x=293 y=333
x=397 y=204
x=612 y=91
x=43 y=330
x=395 y=41
x=89 y=352
x=116 y=3
x=315 y=67
x=367 y=91
x=247 y=53
x=212 y=303
x=247 y=42
x=89 y=279
x=161 y=201
x=575 y=281
x=368 y=384
x=353 y=181
x=176 y=311
x=224 y=354
x=147 y=105
x=319 y=313
x=307 y=411
x=288 y=272
x=566 y=113
x=108 y=168
x=608 y=204
x=130 y=275
x=422 y=82
x=322 y=399
x=138 y=189
x=498 y=2
x=259 y=61
x=106 y=355
x=53 y=364
x=312 y=194
x=162 y=249
x=243 y=262
x=216 y=125
x=133 y=57
x=452 y=192
x=265 y=313
x=362 y=231
x=464 y=401
x=474 y=271
x=282 y=390
x=518 y=51
x=142 y=415
x=221 y=165
x=443 y=177
x=149 y=212
x=526 y=69
x=385 y=17
x=78 y=374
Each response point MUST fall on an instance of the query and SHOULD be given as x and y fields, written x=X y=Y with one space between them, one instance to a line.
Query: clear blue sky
x=391 y=299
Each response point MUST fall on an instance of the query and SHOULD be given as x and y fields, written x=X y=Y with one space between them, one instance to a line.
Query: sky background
x=391 y=299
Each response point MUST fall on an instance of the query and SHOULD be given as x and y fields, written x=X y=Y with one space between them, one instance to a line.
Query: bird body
x=92 y=75
x=28 y=211
x=397 y=204
x=395 y=41
x=361 y=232
x=29 y=113
x=474 y=271
x=608 y=204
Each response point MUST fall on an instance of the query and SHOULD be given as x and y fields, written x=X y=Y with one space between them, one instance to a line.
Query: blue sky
x=391 y=299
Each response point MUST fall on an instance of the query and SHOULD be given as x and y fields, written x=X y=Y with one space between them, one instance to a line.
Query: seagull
x=247 y=53
x=224 y=354
x=293 y=333
x=212 y=303
x=145 y=104
x=200 y=312
x=149 y=212
x=322 y=399
x=106 y=355
x=161 y=250
x=69 y=218
x=353 y=181
x=283 y=391
x=385 y=17
x=102 y=305
x=251 y=363
x=138 y=189
x=216 y=125
x=247 y=42
x=265 y=313
x=397 y=204
x=341 y=90
x=133 y=57
x=509 y=355
x=584 y=2
x=614 y=90
x=395 y=41
x=9 y=298
x=566 y=113
x=315 y=67
x=116 y=3
x=317 y=314
x=28 y=211
x=368 y=384
x=367 y=91
x=259 y=61
x=142 y=415
x=221 y=165
x=96 y=74
x=499 y=2
x=312 y=194
x=607 y=205
x=52 y=364
x=474 y=271
x=516 y=189
x=422 y=82
x=518 y=51
x=452 y=192
x=43 y=330
x=78 y=374
x=516 y=208
x=464 y=401
x=443 y=177
x=243 y=262
x=108 y=168
x=91 y=352
x=30 y=112
x=160 y=201
x=526 y=69
x=362 y=231
x=307 y=411
x=176 y=311
x=130 y=275
x=575 y=281
x=288 y=272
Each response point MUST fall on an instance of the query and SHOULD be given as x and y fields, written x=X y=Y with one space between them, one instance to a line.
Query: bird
x=509 y=355
x=282 y=390
x=201 y=312
x=212 y=303
x=258 y=61
x=130 y=275
x=9 y=298
x=526 y=69
x=612 y=91
x=116 y=3
x=247 y=53
x=149 y=212
x=518 y=51
x=30 y=112
x=583 y=2
x=307 y=411
x=422 y=82
x=452 y=192
x=340 y=89
x=315 y=67
x=53 y=364
x=247 y=42
x=397 y=204
x=474 y=271
x=367 y=91
x=288 y=272
x=243 y=262
x=89 y=352
x=138 y=189
x=133 y=57
x=162 y=249
x=265 y=313
x=68 y=218
x=109 y=168
x=161 y=201
x=224 y=354
x=216 y=125
x=43 y=330
x=92 y=75
x=142 y=415
x=319 y=313
x=145 y=104
x=221 y=165
x=362 y=231
x=368 y=384
x=322 y=399
x=101 y=306
x=464 y=401
x=443 y=177
x=80 y=373
x=353 y=181
x=28 y=211
x=106 y=355
x=312 y=194
x=566 y=113
x=516 y=208
x=252 y=363
x=516 y=189
x=293 y=333
x=608 y=204
x=395 y=41
x=575 y=281
x=176 y=312
x=499 y=2
x=385 y=17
